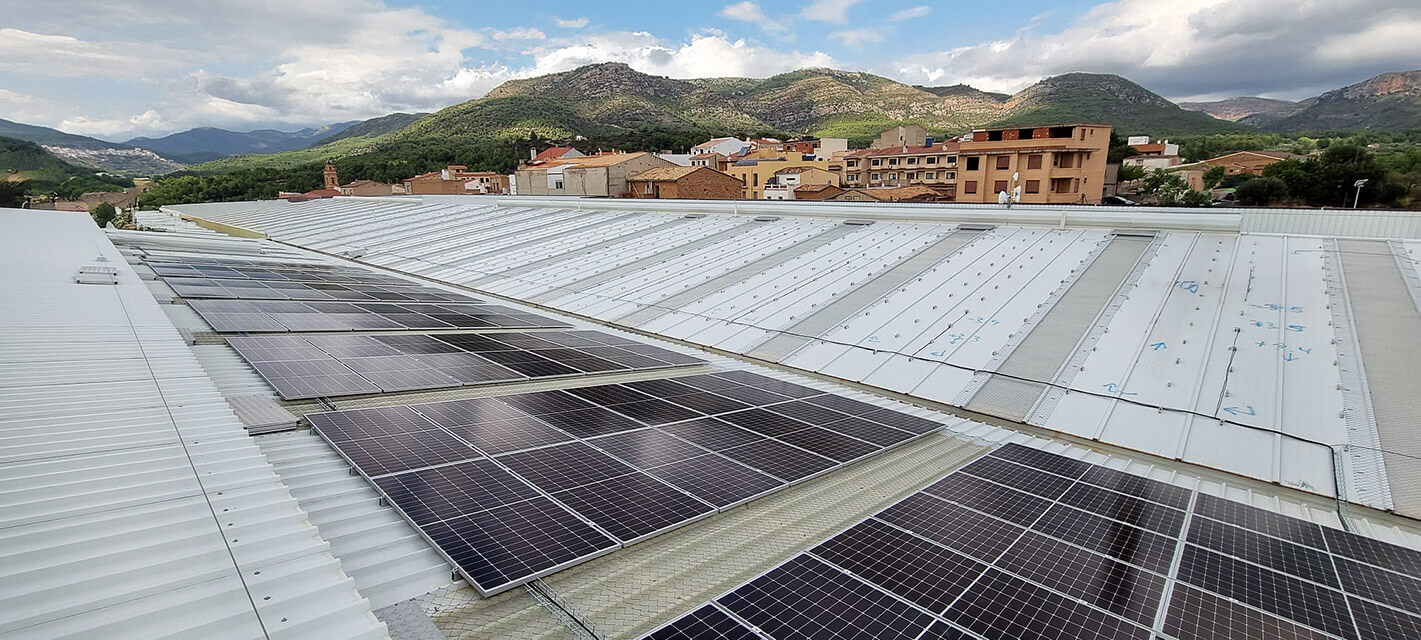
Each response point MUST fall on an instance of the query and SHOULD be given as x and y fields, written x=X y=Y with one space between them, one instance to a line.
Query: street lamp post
x=1358 y=196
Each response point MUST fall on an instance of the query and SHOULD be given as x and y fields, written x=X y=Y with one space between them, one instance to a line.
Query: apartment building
x=755 y=173
x=456 y=179
x=1058 y=164
x=927 y=164
x=785 y=184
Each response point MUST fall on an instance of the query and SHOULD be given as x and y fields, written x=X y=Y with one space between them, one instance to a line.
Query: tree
x=1261 y=192
x=12 y=194
x=1213 y=176
x=1171 y=190
x=1130 y=172
x=103 y=213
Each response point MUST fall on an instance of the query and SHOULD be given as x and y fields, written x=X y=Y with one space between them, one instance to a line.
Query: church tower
x=332 y=182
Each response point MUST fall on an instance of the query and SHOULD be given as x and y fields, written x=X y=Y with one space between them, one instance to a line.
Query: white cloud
x=575 y=23
x=910 y=13
x=834 y=11
x=703 y=56
x=751 y=13
x=70 y=57
x=1204 y=48
x=856 y=38
x=519 y=33
x=149 y=120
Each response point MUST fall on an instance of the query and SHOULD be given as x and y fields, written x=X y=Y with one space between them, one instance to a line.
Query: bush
x=1261 y=192
x=103 y=213
x=1213 y=176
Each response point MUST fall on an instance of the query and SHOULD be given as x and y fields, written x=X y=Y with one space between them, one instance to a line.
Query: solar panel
x=400 y=362
x=830 y=444
x=391 y=454
x=633 y=506
x=647 y=448
x=806 y=598
x=705 y=623
x=268 y=316
x=712 y=433
x=921 y=572
x=441 y=493
x=716 y=480
x=1096 y=557
x=566 y=466
x=780 y=460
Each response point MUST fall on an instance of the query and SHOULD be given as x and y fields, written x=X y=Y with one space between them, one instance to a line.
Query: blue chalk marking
x=1158 y=345
x=1246 y=410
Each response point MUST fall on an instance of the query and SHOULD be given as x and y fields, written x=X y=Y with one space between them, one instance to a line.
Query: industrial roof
x=135 y=505
x=714 y=275
x=1229 y=350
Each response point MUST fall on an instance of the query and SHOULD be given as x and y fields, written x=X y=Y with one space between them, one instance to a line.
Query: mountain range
x=613 y=102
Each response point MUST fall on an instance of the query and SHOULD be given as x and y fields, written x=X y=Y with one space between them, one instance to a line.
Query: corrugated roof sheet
x=1217 y=348
x=135 y=503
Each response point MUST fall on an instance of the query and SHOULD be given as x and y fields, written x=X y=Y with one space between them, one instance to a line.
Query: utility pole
x=1358 y=196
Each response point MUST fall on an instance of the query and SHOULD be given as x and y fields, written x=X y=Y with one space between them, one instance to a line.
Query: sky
x=115 y=70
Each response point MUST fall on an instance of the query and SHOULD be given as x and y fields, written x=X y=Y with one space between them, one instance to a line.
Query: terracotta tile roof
x=551 y=153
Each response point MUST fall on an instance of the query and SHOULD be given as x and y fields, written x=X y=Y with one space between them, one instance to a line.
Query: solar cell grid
x=609 y=394
x=647 y=448
x=990 y=498
x=843 y=405
x=440 y=493
x=944 y=631
x=712 y=433
x=1127 y=509
x=772 y=385
x=1037 y=483
x=752 y=396
x=1382 y=623
x=391 y=454
x=707 y=403
x=1000 y=606
x=951 y=525
x=716 y=480
x=662 y=388
x=1199 y=615
x=1303 y=562
x=589 y=423
x=917 y=570
x=900 y=420
x=810 y=413
x=1033 y=457
x=1131 y=484
x=878 y=434
x=1374 y=552
x=705 y=623
x=806 y=598
x=1384 y=586
x=780 y=460
x=291 y=315
x=564 y=466
x=829 y=444
x=1099 y=581
x=656 y=412
x=1255 y=519
x=539 y=403
x=763 y=422
x=632 y=506
x=509 y=545
x=1110 y=537
x=1270 y=591
x=354 y=424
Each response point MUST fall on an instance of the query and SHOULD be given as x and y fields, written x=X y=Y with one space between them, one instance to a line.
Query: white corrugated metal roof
x=134 y=504
x=1226 y=350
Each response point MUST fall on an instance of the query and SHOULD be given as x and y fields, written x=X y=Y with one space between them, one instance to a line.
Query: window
x=913 y=176
x=853 y=163
x=877 y=162
x=949 y=175
x=930 y=160
x=1033 y=161
x=969 y=187
x=999 y=186
x=557 y=184
x=874 y=177
x=1033 y=186
x=892 y=162
x=912 y=161
x=950 y=160
x=892 y=176
x=1003 y=162
x=929 y=176
x=972 y=163
x=648 y=188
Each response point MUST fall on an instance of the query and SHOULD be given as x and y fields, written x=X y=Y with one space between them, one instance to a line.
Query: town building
x=722 y=146
x=456 y=179
x=821 y=148
x=602 y=175
x=900 y=136
x=717 y=161
x=784 y=184
x=366 y=188
x=1057 y=164
x=703 y=183
x=755 y=173
x=553 y=153
x=332 y=181
x=817 y=192
x=1236 y=163
x=923 y=163
x=1152 y=155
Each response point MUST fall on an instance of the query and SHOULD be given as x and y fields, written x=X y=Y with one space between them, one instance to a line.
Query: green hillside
x=24 y=161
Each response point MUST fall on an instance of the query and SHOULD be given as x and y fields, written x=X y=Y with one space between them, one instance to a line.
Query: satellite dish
x=1015 y=175
x=1001 y=197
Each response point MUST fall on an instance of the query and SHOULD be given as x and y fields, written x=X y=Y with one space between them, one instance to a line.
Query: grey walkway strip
x=1382 y=310
x=692 y=294
x=843 y=308
x=637 y=265
x=1052 y=341
x=631 y=235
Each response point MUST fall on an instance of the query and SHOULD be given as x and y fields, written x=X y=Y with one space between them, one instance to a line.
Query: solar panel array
x=627 y=460
x=229 y=288
x=1027 y=544
x=278 y=316
x=315 y=366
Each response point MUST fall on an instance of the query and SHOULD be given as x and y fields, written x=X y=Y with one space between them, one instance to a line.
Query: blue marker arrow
x=1158 y=345
x=1244 y=411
